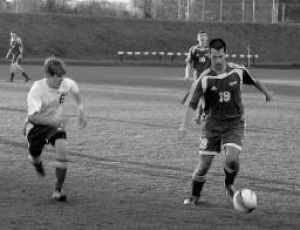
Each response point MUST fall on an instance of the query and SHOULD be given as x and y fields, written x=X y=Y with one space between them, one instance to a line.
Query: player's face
x=217 y=58
x=13 y=35
x=54 y=81
x=202 y=38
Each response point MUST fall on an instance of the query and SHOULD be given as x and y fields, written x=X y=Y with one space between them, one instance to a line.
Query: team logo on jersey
x=233 y=83
x=214 y=88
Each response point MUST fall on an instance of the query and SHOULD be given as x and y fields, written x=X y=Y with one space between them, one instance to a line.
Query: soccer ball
x=245 y=200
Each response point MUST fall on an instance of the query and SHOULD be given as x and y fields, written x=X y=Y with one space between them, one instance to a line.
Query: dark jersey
x=199 y=58
x=16 y=46
x=222 y=92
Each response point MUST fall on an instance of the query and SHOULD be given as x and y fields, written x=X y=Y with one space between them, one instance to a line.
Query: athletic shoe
x=59 y=196
x=192 y=200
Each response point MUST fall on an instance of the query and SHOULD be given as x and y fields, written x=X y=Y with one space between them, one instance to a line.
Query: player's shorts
x=40 y=135
x=220 y=133
x=16 y=68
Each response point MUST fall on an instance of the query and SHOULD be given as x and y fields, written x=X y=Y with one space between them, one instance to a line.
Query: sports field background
x=128 y=170
x=99 y=39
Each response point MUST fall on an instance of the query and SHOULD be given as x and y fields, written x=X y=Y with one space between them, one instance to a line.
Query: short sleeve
x=248 y=79
x=34 y=100
x=72 y=85
x=196 y=93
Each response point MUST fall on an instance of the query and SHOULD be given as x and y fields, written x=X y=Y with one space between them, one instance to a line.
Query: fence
x=245 y=59
x=254 y=11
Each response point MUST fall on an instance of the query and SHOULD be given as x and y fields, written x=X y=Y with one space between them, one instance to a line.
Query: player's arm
x=38 y=118
x=197 y=93
x=8 y=53
x=188 y=67
x=248 y=79
x=21 y=49
x=78 y=99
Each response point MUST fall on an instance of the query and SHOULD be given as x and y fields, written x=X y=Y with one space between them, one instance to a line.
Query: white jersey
x=48 y=101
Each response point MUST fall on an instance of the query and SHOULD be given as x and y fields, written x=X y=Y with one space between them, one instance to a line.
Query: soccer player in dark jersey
x=196 y=62
x=198 y=58
x=220 y=87
x=15 y=52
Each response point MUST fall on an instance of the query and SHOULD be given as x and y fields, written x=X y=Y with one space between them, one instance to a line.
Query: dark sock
x=12 y=77
x=25 y=75
x=197 y=188
x=60 y=178
x=230 y=175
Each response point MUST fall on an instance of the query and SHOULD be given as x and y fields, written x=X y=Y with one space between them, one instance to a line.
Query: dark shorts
x=219 y=133
x=40 y=135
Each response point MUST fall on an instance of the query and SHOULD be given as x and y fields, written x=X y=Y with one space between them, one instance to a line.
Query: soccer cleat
x=229 y=191
x=59 y=196
x=192 y=200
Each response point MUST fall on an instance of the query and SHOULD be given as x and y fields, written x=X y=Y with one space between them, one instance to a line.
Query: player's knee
x=61 y=163
x=231 y=166
x=34 y=159
x=199 y=177
x=61 y=147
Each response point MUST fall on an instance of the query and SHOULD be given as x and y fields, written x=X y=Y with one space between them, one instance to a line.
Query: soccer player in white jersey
x=220 y=87
x=45 y=123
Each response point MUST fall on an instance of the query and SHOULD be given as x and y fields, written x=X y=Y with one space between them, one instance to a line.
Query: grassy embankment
x=90 y=38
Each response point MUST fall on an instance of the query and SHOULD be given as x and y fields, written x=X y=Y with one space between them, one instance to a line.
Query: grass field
x=128 y=170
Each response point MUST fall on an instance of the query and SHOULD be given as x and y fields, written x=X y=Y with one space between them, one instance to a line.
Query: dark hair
x=55 y=66
x=201 y=32
x=217 y=43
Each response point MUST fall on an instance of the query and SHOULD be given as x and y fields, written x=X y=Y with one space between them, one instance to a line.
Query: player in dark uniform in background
x=220 y=86
x=196 y=62
x=15 y=52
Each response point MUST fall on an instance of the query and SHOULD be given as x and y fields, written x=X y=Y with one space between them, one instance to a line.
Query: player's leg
x=61 y=163
x=232 y=142
x=201 y=115
x=58 y=138
x=12 y=72
x=199 y=178
x=22 y=71
x=208 y=148
x=36 y=140
x=231 y=168
x=27 y=78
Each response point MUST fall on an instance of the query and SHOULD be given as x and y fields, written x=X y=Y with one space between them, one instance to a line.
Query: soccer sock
x=25 y=75
x=12 y=77
x=197 y=184
x=230 y=173
x=60 y=173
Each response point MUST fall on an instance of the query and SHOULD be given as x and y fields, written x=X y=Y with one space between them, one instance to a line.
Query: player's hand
x=63 y=123
x=269 y=96
x=186 y=78
x=181 y=133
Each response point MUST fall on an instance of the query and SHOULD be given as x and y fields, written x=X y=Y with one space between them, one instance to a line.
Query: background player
x=15 y=52
x=45 y=124
x=196 y=62
x=220 y=86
